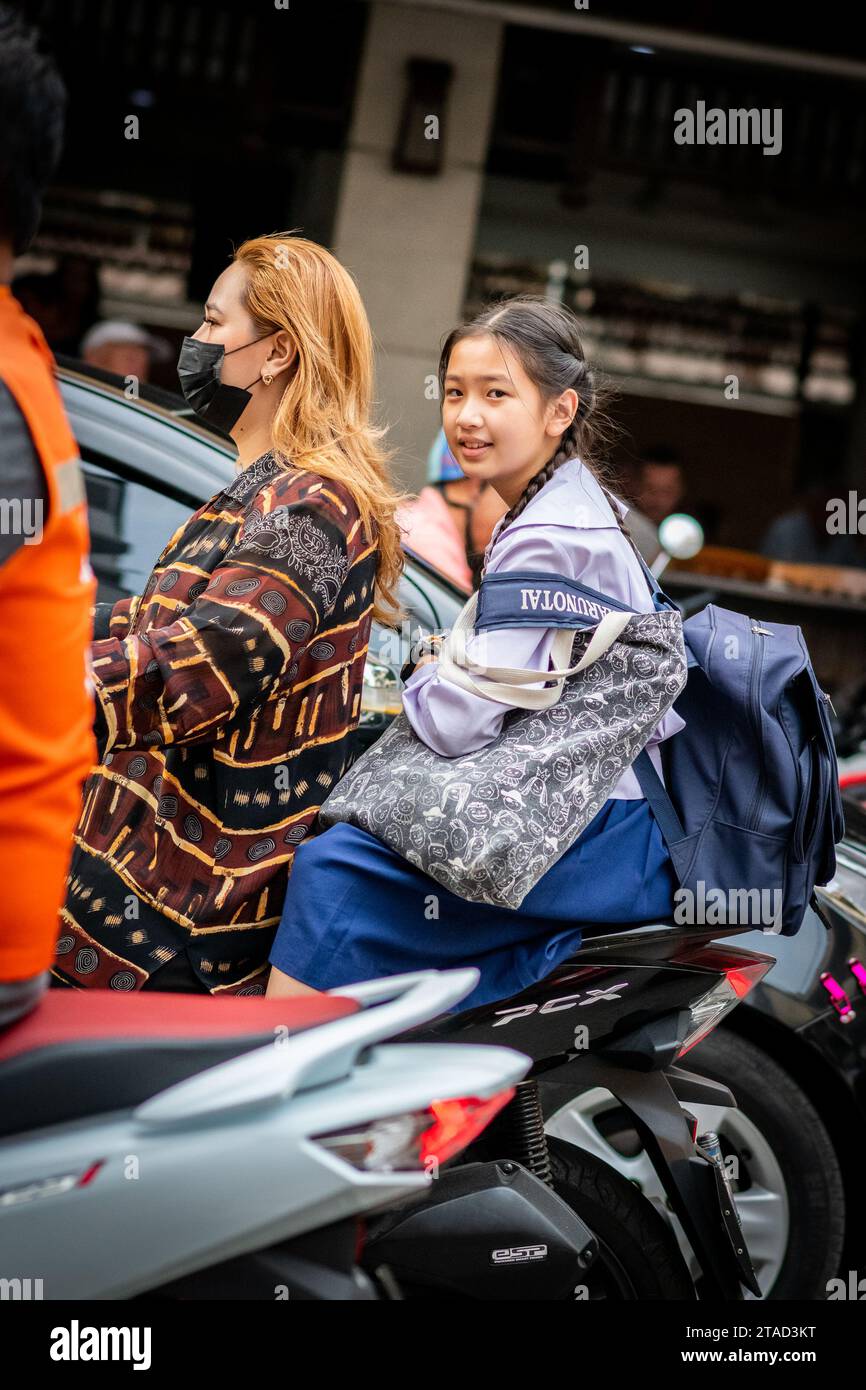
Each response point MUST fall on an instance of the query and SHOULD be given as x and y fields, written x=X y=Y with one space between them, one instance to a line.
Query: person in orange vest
x=46 y=584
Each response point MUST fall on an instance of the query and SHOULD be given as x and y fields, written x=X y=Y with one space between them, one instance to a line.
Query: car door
x=130 y=523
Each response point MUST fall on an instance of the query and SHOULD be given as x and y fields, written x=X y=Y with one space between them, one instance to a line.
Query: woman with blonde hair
x=228 y=691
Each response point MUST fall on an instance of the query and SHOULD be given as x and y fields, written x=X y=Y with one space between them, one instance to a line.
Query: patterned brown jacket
x=228 y=694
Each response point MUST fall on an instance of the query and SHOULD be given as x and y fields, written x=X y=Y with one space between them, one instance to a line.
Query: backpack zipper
x=757 y=663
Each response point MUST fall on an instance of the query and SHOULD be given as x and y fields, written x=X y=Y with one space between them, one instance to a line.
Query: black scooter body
x=452 y=1241
x=616 y=1016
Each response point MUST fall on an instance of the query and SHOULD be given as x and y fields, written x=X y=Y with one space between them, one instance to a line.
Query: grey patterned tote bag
x=489 y=824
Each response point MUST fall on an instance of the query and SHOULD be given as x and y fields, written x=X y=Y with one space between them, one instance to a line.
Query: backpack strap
x=818 y=910
x=661 y=599
x=656 y=794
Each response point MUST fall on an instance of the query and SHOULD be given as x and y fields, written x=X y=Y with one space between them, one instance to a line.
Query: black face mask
x=198 y=368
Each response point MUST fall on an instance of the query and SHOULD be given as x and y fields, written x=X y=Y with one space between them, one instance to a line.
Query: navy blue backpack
x=752 y=801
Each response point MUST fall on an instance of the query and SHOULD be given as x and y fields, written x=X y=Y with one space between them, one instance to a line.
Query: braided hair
x=545 y=337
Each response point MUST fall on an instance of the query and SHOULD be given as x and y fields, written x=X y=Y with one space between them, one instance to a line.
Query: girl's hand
x=422 y=661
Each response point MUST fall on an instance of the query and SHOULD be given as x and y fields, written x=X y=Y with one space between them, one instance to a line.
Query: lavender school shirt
x=567 y=529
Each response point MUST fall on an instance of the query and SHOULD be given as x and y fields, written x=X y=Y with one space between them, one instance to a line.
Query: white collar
x=573 y=497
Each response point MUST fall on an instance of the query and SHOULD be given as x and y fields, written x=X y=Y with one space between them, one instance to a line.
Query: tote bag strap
x=504 y=683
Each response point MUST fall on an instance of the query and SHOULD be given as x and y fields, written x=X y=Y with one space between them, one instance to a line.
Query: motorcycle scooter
x=325 y=1125
x=621 y=1015
x=175 y=1145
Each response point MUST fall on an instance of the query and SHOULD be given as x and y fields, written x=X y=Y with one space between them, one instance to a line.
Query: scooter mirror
x=681 y=535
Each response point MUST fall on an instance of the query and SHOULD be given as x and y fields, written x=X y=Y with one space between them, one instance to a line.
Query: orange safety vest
x=47 y=589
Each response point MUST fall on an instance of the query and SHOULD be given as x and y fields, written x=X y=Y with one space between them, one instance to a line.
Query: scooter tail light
x=416 y=1141
x=708 y=1010
x=457 y=1122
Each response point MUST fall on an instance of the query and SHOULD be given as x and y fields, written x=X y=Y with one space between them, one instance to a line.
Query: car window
x=417 y=602
x=130 y=525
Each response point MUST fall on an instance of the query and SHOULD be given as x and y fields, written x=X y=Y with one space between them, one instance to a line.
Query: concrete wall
x=409 y=238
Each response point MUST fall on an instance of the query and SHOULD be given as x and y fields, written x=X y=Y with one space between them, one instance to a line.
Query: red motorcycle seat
x=86 y=1052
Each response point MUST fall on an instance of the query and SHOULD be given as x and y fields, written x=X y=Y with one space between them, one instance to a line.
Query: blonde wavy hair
x=323 y=421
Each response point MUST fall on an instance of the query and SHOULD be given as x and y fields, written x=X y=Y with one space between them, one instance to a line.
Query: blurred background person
x=64 y=302
x=46 y=584
x=452 y=519
x=651 y=485
x=658 y=487
x=79 y=295
x=122 y=347
x=800 y=535
x=38 y=293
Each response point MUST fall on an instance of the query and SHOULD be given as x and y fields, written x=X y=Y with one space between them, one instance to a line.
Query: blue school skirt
x=356 y=910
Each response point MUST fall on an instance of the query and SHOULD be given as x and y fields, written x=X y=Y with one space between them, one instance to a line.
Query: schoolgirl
x=520 y=411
